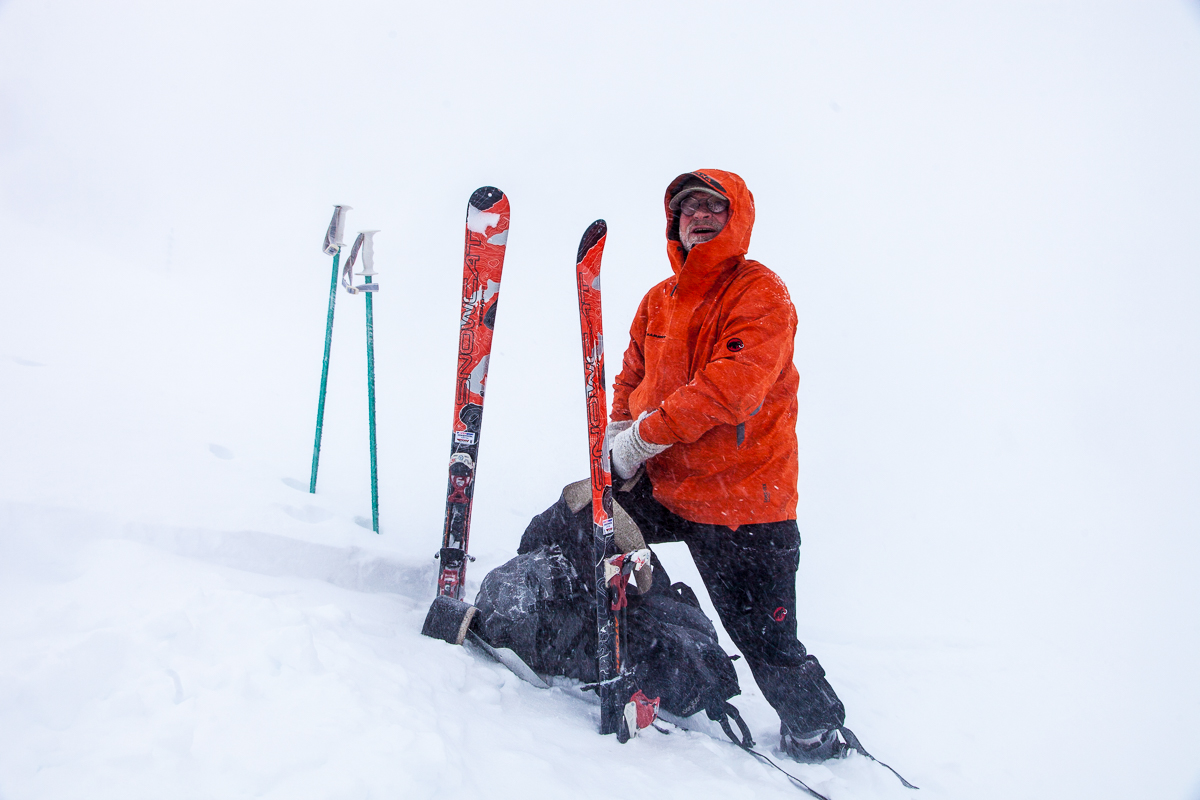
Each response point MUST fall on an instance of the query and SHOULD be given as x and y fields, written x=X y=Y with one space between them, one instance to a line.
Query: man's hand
x=629 y=449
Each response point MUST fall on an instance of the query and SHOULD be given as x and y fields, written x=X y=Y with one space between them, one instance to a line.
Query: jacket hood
x=734 y=239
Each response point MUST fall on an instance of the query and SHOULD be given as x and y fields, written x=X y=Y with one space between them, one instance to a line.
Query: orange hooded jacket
x=710 y=356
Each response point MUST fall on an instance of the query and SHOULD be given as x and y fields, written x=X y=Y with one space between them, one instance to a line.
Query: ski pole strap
x=333 y=235
x=348 y=267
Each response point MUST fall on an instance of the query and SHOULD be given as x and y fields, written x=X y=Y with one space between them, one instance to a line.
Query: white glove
x=630 y=450
x=613 y=429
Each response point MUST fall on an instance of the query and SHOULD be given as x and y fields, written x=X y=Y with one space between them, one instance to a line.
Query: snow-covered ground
x=989 y=219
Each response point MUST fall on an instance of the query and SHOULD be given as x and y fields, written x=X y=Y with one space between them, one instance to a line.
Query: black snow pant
x=750 y=575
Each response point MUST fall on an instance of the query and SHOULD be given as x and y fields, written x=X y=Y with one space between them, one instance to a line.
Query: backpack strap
x=722 y=714
x=726 y=711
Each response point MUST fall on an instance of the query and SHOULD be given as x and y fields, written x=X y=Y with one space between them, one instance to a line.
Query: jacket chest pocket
x=666 y=362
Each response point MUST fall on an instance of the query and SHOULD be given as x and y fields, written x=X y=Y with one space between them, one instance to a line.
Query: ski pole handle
x=367 y=239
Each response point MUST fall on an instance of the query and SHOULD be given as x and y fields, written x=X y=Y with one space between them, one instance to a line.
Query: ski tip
x=595 y=232
x=485 y=197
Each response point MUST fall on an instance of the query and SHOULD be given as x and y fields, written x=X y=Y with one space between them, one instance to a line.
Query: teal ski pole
x=365 y=241
x=332 y=247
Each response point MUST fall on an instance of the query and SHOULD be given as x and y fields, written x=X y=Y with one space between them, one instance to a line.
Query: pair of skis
x=483 y=262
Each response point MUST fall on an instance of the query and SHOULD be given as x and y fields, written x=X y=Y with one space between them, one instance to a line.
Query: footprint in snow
x=295 y=484
x=364 y=522
x=25 y=362
x=310 y=514
x=220 y=452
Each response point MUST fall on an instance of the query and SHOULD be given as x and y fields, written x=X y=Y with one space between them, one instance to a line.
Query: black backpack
x=540 y=604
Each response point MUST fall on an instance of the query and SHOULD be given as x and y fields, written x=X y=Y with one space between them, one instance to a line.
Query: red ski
x=608 y=613
x=483 y=261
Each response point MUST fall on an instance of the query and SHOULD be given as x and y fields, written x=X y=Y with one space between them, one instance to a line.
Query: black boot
x=817 y=746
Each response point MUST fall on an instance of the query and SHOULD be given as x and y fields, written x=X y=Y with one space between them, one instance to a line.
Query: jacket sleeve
x=633 y=368
x=755 y=344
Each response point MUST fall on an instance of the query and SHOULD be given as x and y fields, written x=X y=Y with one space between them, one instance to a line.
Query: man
x=706 y=401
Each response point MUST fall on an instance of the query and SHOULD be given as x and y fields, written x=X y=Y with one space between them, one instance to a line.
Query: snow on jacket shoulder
x=710 y=356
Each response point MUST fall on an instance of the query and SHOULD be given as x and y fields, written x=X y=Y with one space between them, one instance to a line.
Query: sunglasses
x=691 y=203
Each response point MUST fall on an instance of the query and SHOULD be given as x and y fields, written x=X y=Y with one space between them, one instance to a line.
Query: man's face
x=698 y=222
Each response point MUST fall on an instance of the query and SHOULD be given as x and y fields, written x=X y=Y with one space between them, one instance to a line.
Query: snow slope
x=989 y=219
